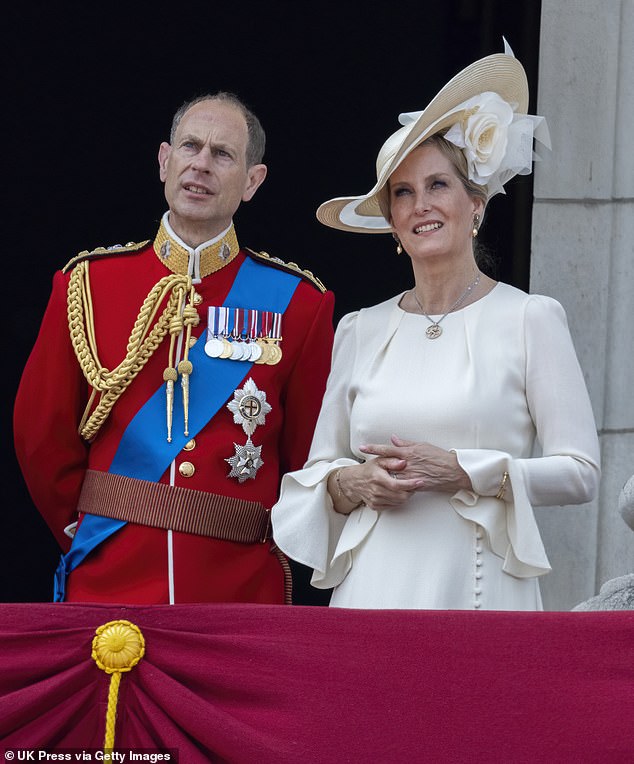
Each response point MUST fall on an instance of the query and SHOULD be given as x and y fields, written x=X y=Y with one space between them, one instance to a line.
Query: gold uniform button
x=190 y=445
x=198 y=298
x=186 y=469
x=192 y=341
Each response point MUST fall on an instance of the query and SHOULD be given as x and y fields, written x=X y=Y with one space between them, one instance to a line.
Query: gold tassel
x=117 y=647
x=185 y=367
x=170 y=375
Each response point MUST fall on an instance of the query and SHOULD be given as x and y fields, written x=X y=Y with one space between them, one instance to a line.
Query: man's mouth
x=197 y=189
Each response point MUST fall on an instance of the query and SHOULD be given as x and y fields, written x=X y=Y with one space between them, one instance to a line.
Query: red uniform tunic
x=132 y=566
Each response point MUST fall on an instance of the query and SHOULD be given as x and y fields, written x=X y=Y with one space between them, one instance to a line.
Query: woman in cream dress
x=454 y=408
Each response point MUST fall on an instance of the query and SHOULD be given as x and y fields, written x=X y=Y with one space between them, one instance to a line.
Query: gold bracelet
x=502 y=489
x=341 y=494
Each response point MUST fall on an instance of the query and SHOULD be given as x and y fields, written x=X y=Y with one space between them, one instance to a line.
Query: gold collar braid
x=212 y=257
x=179 y=313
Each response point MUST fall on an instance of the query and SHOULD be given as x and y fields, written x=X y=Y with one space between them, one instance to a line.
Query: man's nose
x=202 y=161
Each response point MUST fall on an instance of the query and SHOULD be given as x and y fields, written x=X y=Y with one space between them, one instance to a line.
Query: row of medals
x=224 y=341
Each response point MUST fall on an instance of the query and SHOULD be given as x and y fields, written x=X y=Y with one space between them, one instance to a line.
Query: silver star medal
x=249 y=409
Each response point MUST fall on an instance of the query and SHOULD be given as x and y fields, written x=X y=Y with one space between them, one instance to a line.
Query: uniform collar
x=206 y=258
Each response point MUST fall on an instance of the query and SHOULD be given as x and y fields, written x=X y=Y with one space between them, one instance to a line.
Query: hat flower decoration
x=482 y=111
x=483 y=135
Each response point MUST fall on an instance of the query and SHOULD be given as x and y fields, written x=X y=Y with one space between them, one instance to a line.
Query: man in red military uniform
x=172 y=383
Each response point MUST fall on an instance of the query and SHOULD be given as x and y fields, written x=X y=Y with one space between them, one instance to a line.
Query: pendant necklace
x=434 y=331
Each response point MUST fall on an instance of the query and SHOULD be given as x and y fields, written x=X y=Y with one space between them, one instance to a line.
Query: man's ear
x=255 y=177
x=163 y=155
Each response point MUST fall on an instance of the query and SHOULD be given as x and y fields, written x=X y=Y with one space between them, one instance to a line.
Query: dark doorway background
x=90 y=90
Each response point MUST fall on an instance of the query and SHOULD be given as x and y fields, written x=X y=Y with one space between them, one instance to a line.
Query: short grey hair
x=256 y=137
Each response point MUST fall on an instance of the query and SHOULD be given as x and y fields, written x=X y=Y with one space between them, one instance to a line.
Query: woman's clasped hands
x=398 y=469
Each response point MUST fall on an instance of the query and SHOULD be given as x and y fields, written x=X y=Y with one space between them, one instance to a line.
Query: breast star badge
x=249 y=409
x=246 y=462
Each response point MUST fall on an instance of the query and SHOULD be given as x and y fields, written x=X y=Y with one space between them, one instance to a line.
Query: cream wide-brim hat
x=500 y=73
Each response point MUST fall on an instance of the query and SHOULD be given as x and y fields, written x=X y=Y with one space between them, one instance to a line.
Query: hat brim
x=499 y=73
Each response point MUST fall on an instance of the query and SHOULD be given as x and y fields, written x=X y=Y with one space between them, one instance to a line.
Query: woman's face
x=430 y=209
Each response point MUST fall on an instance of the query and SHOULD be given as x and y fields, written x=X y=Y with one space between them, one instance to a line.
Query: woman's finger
x=385 y=449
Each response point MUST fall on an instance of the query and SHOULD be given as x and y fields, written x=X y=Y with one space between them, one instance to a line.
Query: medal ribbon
x=144 y=452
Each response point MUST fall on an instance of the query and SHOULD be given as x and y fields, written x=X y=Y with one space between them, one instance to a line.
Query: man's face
x=205 y=172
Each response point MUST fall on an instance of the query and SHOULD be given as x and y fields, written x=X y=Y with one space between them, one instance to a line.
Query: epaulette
x=117 y=249
x=275 y=262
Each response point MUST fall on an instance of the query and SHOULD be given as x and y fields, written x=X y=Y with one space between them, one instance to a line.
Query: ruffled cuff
x=509 y=522
x=307 y=528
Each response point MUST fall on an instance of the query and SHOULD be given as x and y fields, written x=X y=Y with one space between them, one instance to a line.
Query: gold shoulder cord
x=292 y=267
x=143 y=341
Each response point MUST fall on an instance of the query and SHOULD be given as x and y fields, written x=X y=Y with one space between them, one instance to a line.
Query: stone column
x=583 y=255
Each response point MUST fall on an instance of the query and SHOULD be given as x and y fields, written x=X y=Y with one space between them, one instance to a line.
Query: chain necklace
x=434 y=331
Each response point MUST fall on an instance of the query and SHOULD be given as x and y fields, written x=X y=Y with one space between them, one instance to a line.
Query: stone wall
x=583 y=255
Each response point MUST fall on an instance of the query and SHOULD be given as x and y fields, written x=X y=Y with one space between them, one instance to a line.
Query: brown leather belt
x=174 y=508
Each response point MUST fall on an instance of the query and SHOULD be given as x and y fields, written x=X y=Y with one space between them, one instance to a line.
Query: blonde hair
x=457 y=158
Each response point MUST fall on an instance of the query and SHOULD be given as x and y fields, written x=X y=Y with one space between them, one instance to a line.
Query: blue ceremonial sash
x=143 y=451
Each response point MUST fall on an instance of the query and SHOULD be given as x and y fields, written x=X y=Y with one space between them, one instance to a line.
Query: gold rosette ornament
x=116 y=647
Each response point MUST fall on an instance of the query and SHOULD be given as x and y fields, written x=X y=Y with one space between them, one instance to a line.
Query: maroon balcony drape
x=259 y=684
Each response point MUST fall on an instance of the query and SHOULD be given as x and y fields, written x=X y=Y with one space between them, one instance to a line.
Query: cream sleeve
x=567 y=469
x=305 y=525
